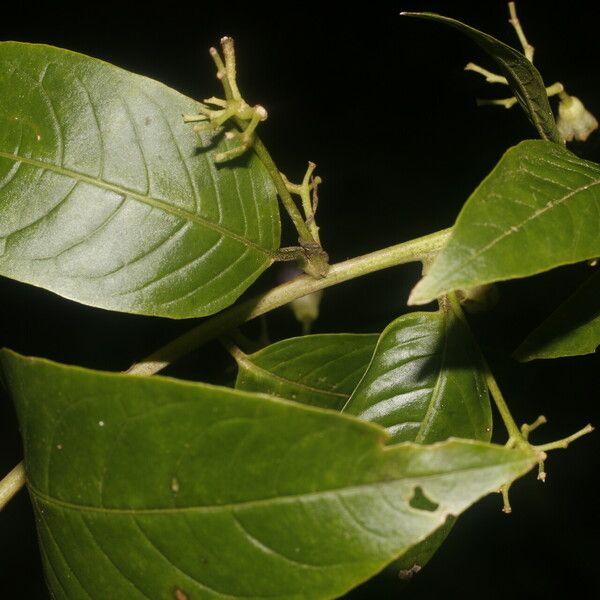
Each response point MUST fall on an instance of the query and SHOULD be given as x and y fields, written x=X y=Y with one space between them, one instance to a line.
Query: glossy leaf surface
x=108 y=198
x=424 y=382
x=538 y=209
x=523 y=78
x=320 y=370
x=573 y=329
x=154 y=488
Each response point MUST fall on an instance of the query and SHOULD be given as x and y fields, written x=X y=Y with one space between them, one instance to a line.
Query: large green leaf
x=108 y=198
x=320 y=370
x=155 y=488
x=425 y=384
x=431 y=361
x=538 y=209
x=523 y=78
x=573 y=329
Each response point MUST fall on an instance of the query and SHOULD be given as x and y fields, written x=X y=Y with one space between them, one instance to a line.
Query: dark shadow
x=579 y=309
x=215 y=140
x=421 y=502
x=456 y=348
x=208 y=329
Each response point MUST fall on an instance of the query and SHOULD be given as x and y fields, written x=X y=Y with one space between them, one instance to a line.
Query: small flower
x=479 y=299
x=574 y=120
x=305 y=308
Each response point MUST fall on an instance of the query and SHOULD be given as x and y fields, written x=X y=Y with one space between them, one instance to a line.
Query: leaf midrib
x=44 y=498
x=430 y=413
x=516 y=228
x=516 y=56
x=145 y=199
x=243 y=360
x=551 y=134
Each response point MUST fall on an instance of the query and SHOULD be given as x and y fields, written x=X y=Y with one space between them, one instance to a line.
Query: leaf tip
x=521 y=355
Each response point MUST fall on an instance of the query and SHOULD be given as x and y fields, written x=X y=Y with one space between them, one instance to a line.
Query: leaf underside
x=150 y=488
x=108 y=198
x=318 y=370
x=572 y=330
x=537 y=210
x=523 y=78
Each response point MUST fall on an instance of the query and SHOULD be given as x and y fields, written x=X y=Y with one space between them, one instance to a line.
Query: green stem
x=307 y=201
x=528 y=49
x=565 y=441
x=413 y=250
x=284 y=194
x=514 y=433
x=11 y=484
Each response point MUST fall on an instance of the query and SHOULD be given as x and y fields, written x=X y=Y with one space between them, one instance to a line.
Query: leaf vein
x=97 y=125
x=255 y=503
x=138 y=141
x=515 y=228
x=64 y=557
x=187 y=575
x=144 y=199
x=111 y=561
x=244 y=360
x=254 y=541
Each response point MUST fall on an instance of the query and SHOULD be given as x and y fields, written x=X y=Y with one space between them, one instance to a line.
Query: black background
x=382 y=105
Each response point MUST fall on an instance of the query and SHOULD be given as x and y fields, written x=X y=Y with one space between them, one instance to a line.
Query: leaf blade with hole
x=108 y=198
x=523 y=78
x=319 y=370
x=537 y=210
x=572 y=330
x=150 y=487
x=425 y=384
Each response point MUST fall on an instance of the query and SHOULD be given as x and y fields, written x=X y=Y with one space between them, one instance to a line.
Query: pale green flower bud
x=306 y=309
x=574 y=120
x=479 y=299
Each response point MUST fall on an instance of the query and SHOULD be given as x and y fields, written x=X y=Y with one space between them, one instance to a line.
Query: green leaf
x=420 y=554
x=573 y=329
x=538 y=209
x=430 y=354
x=523 y=78
x=155 y=488
x=108 y=198
x=319 y=370
x=424 y=383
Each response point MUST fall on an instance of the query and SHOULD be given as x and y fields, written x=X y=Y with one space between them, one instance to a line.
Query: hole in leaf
x=421 y=502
